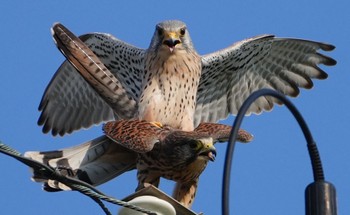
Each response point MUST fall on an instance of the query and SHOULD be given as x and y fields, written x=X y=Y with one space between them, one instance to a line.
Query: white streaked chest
x=169 y=89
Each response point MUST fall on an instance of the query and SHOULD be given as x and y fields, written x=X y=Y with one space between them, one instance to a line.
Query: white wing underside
x=230 y=75
x=70 y=103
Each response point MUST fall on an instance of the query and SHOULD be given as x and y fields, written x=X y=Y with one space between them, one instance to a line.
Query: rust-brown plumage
x=154 y=151
x=171 y=153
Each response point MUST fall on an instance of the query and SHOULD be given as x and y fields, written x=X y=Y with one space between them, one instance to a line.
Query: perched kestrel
x=170 y=83
x=155 y=152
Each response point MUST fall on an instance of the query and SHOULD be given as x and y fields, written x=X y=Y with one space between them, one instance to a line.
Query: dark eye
x=193 y=145
x=182 y=31
x=159 y=31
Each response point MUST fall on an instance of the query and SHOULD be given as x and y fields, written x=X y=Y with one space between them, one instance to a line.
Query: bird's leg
x=147 y=184
x=185 y=192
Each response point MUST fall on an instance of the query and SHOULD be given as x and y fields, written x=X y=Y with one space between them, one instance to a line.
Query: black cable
x=313 y=152
x=48 y=172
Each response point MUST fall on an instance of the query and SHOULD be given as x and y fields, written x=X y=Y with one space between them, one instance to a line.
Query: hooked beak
x=171 y=39
x=209 y=151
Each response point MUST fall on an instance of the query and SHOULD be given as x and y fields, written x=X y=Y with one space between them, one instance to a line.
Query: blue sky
x=269 y=175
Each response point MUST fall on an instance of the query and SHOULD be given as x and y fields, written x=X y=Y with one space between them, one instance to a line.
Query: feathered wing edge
x=136 y=135
x=71 y=103
x=221 y=133
x=95 y=162
x=230 y=75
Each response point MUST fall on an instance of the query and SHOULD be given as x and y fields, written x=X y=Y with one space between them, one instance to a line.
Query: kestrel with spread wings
x=170 y=83
x=154 y=151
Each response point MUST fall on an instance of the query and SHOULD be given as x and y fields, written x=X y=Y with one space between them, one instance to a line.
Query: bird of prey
x=170 y=83
x=154 y=151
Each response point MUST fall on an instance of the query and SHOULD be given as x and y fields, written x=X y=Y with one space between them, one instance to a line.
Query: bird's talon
x=65 y=170
x=157 y=124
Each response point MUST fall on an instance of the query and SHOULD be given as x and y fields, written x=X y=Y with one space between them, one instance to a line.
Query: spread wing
x=230 y=75
x=221 y=133
x=70 y=103
x=136 y=135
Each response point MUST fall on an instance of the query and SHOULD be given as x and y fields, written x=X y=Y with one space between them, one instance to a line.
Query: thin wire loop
x=313 y=152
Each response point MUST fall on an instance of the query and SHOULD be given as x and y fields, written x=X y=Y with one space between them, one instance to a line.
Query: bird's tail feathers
x=95 y=162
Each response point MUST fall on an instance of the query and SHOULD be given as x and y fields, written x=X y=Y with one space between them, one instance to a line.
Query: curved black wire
x=50 y=173
x=313 y=152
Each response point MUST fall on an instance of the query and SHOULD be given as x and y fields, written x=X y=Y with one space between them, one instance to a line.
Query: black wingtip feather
x=322 y=74
x=330 y=62
x=326 y=60
x=42 y=119
x=327 y=47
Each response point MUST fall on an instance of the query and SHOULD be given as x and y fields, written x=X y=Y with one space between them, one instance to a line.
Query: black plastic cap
x=320 y=199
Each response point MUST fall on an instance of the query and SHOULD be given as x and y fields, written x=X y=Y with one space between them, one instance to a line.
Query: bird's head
x=181 y=150
x=171 y=36
x=204 y=148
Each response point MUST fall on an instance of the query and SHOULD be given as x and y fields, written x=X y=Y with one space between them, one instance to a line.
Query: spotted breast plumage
x=153 y=150
x=170 y=82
